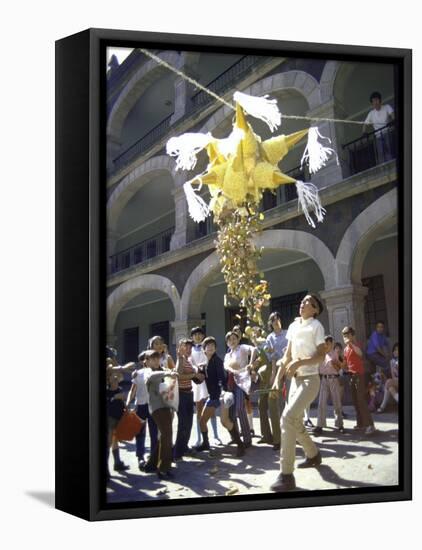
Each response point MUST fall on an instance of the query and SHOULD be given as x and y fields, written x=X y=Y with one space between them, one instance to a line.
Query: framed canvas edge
x=97 y=305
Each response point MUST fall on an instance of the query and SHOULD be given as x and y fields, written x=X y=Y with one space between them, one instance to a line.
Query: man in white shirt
x=305 y=351
x=379 y=117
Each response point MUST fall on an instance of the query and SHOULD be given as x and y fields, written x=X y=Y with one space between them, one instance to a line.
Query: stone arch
x=360 y=236
x=279 y=239
x=147 y=73
x=132 y=182
x=299 y=81
x=327 y=80
x=133 y=287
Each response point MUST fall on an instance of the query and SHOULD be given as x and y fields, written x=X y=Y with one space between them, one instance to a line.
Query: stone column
x=346 y=306
x=112 y=237
x=113 y=149
x=183 y=90
x=181 y=329
x=331 y=173
x=178 y=238
x=111 y=338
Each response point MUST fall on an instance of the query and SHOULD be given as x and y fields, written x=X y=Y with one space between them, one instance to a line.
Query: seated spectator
x=392 y=384
x=377 y=350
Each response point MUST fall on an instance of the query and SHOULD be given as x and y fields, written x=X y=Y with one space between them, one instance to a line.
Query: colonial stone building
x=163 y=271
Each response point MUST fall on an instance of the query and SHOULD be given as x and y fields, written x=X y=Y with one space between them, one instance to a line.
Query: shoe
x=342 y=430
x=263 y=441
x=165 y=475
x=284 y=482
x=357 y=427
x=313 y=462
x=217 y=442
x=120 y=467
x=142 y=464
x=191 y=452
x=370 y=430
x=276 y=446
x=149 y=468
x=240 y=450
x=308 y=423
x=317 y=431
x=202 y=447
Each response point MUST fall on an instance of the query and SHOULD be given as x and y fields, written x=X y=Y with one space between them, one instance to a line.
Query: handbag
x=169 y=391
x=129 y=426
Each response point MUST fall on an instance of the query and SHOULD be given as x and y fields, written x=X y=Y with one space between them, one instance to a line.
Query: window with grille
x=375 y=305
x=130 y=344
x=288 y=306
x=161 y=329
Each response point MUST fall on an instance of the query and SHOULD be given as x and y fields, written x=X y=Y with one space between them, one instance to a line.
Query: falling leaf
x=232 y=491
x=370 y=467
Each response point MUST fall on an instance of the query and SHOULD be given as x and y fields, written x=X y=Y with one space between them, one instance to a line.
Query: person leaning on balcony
x=305 y=351
x=378 y=117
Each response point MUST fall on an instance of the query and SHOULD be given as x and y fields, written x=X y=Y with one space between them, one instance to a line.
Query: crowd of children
x=286 y=369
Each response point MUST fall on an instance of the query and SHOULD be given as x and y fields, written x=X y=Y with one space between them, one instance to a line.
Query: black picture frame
x=81 y=261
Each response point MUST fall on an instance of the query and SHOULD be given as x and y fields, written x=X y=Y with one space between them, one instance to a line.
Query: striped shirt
x=186 y=385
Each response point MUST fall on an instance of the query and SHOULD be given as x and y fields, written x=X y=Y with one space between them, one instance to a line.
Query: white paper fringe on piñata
x=315 y=154
x=197 y=207
x=260 y=107
x=186 y=147
x=308 y=198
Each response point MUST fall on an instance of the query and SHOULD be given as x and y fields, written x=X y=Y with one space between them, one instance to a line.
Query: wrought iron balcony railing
x=285 y=193
x=219 y=85
x=202 y=229
x=142 y=144
x=224 y=81
x=371 y=149
x=140 y=252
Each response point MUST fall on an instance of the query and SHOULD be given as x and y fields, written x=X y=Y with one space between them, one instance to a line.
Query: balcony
x=205 y=228
x=284 y=193
x=220 y=85
x=371 y=149
x=142 y=251
x=224 y=81
x=142 y=144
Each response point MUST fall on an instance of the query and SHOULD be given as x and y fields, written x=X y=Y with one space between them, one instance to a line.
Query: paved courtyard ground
x=349 y=460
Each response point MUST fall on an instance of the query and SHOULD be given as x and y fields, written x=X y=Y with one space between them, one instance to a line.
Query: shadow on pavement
x=329 y=475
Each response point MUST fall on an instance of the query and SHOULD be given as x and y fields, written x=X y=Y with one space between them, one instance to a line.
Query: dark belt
x=329 y=375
